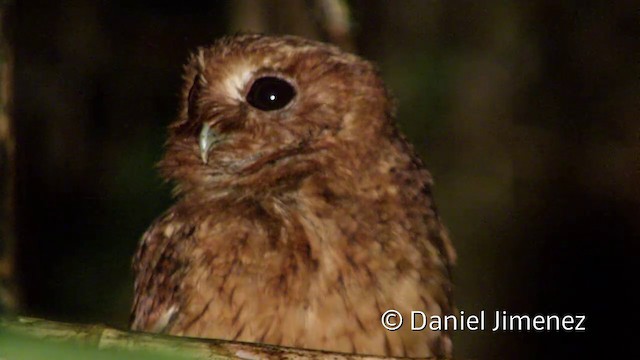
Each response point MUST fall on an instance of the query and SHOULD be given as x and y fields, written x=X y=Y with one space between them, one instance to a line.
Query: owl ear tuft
x=194 y=96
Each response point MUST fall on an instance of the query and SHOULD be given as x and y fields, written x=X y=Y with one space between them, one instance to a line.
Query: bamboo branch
x=335 y=22
x=327 y=20
x=103 y=338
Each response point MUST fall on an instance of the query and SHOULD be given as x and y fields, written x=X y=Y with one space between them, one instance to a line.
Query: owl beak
x=207 y=138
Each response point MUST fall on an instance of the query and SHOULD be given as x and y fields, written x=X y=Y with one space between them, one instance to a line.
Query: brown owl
x=301 y=213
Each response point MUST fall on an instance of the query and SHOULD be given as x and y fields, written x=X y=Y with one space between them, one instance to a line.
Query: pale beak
x=207 y=138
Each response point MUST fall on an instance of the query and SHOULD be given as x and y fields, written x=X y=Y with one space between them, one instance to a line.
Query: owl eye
x=270 y=93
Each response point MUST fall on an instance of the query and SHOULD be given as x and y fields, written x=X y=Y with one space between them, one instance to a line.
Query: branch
x=335 y=22
x=111 y=341
x=327 y=20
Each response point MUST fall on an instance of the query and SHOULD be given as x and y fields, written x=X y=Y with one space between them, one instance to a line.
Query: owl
x=301 y=213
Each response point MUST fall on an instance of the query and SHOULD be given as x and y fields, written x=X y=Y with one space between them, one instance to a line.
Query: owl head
x=260 y=113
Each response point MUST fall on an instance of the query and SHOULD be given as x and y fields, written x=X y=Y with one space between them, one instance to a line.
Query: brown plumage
x=301 y=213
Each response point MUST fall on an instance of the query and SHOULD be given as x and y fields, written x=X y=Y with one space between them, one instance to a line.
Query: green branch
x=35 y=339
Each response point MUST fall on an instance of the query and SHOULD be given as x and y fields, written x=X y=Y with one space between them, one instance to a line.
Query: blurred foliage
x=8 y=293
x=525 y=112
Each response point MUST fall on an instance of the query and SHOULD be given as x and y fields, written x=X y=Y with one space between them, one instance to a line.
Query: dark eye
x=270 y=93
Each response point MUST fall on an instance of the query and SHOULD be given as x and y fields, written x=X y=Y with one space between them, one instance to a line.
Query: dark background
x=527 y=114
